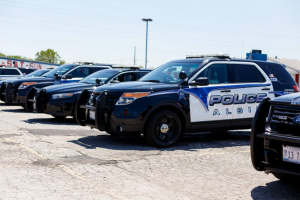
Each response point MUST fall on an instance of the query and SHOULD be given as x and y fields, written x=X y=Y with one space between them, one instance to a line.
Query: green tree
x=49 y=56
x=2 y=55
x=62 y=62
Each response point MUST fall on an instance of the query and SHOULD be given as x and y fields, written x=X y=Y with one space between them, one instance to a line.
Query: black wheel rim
x=165 y=128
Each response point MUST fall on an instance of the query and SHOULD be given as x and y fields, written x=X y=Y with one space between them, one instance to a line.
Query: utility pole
x=146 y=20
x=134 y=56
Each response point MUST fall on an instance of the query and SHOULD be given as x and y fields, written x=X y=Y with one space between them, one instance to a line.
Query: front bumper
x=8 y=93
x=105 y=114
x=267 y=144
x=41 y=102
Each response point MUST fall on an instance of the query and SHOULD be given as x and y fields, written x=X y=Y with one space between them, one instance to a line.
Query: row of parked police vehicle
x=200 y=93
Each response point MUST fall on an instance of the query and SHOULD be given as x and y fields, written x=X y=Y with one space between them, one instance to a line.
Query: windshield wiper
x=156 y=81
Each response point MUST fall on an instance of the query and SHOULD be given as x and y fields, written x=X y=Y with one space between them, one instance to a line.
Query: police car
x=15 y=91
x=200 y=93
x=59 y=100
x=275 y=137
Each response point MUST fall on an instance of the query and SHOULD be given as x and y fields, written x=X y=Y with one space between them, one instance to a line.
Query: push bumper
x=104 y=119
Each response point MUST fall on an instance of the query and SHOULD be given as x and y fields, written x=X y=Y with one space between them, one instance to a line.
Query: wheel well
x=174 y=109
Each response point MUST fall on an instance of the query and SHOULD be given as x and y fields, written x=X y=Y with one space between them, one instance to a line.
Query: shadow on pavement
x=189 y=142
x=276 y=190
x=21 y=110
x=51 y=121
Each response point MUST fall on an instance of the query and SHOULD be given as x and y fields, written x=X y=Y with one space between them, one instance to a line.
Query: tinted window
x=280 y=73
x=26 y=71
x=59 y=70
x=1 y=72
x=216 y=74
x=142 y=74
x=80 y=72
x=103 y=75
x=36 y=73
x=11 y=72
x=126 y=77
x=95 y=69
x=246 y=74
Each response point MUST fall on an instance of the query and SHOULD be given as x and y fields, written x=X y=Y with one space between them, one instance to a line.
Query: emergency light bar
x=218 y=55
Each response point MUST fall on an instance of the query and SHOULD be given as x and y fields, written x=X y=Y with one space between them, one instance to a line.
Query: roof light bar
x=218 y=55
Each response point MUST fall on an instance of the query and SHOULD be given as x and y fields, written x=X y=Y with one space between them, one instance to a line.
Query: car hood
x=69 y=87
x=289 y=99
x=32 y=79
x=137 y=86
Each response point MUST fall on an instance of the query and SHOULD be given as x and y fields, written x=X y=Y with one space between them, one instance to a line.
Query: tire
x=154 y=133
x=285 y=177
x=59 y=117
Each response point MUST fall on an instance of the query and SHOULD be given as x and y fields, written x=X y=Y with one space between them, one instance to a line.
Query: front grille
x=282 y=120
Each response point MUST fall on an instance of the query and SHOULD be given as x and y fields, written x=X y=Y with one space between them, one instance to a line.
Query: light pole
x=146 y=20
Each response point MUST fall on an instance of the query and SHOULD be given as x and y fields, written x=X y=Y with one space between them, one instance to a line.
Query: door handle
x=265 y=89
x=225 y=90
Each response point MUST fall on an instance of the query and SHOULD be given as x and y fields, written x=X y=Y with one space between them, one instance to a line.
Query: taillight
x=296 y=87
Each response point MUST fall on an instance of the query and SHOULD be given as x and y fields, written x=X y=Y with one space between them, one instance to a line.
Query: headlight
x=63 y=95
x=128 y=98
x=26 y=84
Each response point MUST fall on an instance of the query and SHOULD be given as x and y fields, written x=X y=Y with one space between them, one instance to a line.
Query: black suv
x=275 y=137
x=15 y=91
x=191 y=95
x=59 y=100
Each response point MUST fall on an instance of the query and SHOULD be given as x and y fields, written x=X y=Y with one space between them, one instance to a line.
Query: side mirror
x=98 y=81
x=67 y=76
x=115 y=81
x=202 y=81
x=182 y=75
x=56 y=75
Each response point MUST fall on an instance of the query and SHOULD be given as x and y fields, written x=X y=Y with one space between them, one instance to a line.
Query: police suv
x=59 y=100
x=15 y=91
x=200 y=93
x=275 y=137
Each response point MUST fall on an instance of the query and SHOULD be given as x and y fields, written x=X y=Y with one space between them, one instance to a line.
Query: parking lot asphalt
x=44 y=158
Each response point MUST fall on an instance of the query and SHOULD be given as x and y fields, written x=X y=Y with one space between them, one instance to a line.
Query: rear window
x=280 y=73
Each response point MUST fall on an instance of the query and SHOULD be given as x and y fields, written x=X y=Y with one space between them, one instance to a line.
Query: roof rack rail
x=218 y=55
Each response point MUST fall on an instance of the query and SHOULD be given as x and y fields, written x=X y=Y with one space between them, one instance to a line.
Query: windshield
x=169 y=72
x=36 y=73
x=60 y=70
x=104 y=75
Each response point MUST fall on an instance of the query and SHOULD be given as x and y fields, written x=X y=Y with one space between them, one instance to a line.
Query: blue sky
x=108 y=31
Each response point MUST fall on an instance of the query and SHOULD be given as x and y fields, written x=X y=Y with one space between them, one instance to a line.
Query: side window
x=216 y=74
x=95 y=69
x=142 y=74
x=11 y=72
x=126 y=77
x=246 y=74
x=1 y=72
x=80 y=72
x=280 y=73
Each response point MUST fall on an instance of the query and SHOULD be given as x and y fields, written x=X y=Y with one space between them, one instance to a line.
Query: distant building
x=12 y=62
x=292 y=66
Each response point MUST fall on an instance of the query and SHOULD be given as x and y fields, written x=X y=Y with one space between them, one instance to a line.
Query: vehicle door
x=212 y=102
x=77 y=74
x=252 y=85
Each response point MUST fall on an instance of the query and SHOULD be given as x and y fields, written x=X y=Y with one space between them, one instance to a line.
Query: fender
x=258 y=126
x=43 y=84
x=174 y=104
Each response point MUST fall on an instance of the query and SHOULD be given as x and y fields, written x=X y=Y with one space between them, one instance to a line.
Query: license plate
x=291 y=154
x=92 y=115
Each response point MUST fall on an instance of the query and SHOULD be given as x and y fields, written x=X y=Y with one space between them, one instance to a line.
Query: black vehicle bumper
x=8 y=93
x=267 y=145
x=105 y=119
x=58 y=107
